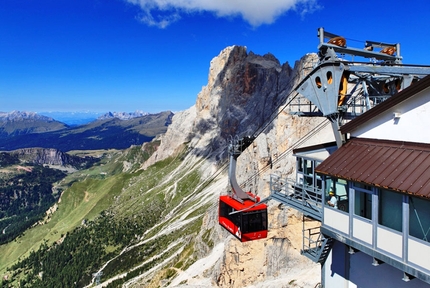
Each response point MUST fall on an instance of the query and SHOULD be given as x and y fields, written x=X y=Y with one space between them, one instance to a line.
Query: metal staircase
x=316 y=246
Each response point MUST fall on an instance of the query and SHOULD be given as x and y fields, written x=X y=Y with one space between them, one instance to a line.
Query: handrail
x=313 y=243
x=306 y=199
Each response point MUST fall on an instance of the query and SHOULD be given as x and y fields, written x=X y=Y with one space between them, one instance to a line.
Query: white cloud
x=162 y=13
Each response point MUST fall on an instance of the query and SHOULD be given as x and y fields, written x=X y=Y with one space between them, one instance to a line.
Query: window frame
x=368 y=191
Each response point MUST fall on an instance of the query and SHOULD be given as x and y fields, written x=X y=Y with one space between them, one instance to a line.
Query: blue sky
x=154 y=55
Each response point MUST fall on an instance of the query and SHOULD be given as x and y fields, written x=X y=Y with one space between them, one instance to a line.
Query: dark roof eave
x=373 y=184
x=395 y=165
x=314 y=147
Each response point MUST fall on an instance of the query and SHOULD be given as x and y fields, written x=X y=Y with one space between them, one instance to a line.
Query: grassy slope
x=175 y=187
x=89 y=194
x=169 y=189
x=84 y=200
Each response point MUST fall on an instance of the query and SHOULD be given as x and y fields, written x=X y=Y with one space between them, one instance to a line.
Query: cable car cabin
x=248 y=224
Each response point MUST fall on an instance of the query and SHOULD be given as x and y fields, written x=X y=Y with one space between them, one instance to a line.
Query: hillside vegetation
x=114 y=217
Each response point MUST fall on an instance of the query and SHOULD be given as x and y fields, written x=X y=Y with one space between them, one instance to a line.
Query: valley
x=145 y=215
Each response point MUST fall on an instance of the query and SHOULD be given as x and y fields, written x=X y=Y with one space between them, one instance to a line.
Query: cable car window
x=225 y=211
x=254 y=221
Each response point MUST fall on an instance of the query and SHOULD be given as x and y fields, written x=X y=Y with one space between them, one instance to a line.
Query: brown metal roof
x=395 y=165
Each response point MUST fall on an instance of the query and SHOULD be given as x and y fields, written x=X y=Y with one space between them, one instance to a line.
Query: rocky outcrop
x=242 y=93
x=246 y=94
x=46 y=156
x=178 y=133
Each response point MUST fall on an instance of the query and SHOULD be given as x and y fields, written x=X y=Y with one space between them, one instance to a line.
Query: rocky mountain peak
x=240 y=85
x=22 y=115
x=242 y=92
x=123 y=115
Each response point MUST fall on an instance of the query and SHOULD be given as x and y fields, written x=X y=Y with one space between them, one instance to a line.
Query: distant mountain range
x=84 y=117
x=110 y=130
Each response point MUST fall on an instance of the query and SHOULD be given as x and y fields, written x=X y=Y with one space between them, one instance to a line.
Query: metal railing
x=305 y=198
x=312 y=241
x=315 y=246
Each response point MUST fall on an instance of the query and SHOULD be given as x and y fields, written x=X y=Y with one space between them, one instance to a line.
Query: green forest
x=111 y=219
x=24 y=199
x=71 y=262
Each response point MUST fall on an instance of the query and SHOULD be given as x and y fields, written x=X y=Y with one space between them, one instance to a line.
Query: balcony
x=304 y=198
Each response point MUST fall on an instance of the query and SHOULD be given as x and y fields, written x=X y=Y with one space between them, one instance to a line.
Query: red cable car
x=241 y=214
x=246 y=221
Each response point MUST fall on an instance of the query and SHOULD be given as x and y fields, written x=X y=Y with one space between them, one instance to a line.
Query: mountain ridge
x=17 y=115
x=106 y=133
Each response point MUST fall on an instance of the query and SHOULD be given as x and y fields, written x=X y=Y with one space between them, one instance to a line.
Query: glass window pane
x=329 y=185
x=362 y=186
x=340 y=189
x=419 y=218
x=309 y=172
x=254 y=221
x=390 y=209
x=300 y=164
x=363 y=204
x=342 y=195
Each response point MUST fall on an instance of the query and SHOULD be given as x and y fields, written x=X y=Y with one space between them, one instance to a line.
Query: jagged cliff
x=50 y=156
x=244 y=93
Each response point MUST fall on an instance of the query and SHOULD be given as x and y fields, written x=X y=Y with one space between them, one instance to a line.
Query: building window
x=363 y=203
x=340 y=189
x=300 y=164
x=419 y=218
x=308 y=172
x=390 y=209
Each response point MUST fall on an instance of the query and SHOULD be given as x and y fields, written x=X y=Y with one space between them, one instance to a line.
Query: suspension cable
x=285 y=153
x=263 y=127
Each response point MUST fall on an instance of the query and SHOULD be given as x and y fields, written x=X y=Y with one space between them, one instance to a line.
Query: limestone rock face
x=247 y=95
x=178 y=133
x=242 y=93
x=49 y=156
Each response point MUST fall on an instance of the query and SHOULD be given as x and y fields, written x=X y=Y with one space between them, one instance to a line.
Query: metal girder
x=392 y=70
x=321 y=87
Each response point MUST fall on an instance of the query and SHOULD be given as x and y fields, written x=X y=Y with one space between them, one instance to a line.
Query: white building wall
x=419 y=253
x=389 y=241
x=362 y=230
x=344 y=270
x=336 y=220
x=411 y=126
